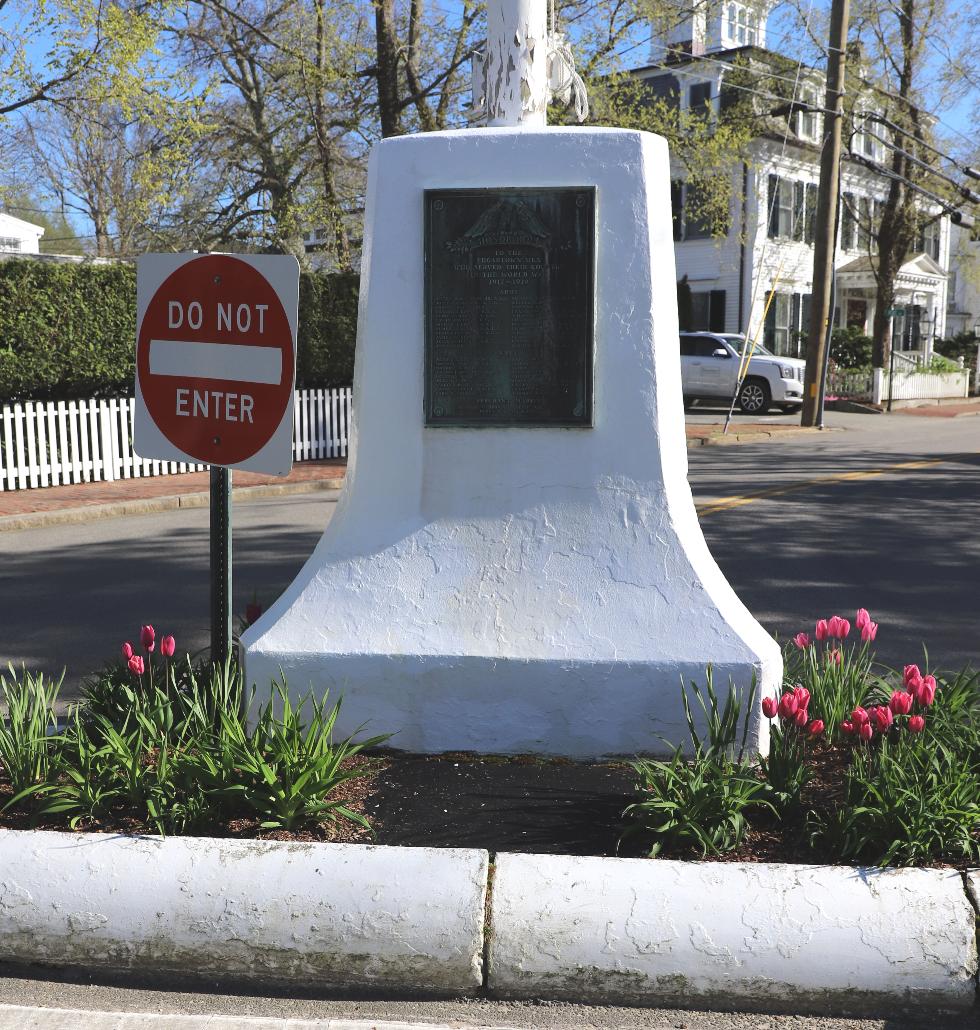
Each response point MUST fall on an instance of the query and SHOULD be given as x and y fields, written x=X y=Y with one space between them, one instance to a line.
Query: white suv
x=709 y=371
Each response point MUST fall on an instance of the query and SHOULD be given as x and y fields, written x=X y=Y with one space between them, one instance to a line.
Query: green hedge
x=69 y=330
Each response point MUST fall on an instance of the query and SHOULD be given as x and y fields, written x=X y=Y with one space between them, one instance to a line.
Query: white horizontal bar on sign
x=229 y=361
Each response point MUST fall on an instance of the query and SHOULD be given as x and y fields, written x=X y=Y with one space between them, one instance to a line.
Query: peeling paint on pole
x=516 y=67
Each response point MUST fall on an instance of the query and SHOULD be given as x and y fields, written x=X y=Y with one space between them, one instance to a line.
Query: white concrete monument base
x=517 y=590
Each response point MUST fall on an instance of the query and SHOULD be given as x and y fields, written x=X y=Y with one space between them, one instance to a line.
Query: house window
x=928 y=239
x=791 y=209
x=9 y=243
x=699 y=98
x=807 y=125
x=689 y=221
x=786 y=324
x=752 y=36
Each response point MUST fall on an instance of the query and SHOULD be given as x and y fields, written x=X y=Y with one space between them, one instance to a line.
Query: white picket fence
x=55 y=443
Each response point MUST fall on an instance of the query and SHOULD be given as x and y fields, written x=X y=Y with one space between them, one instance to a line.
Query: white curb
x=324 y=915
x=714 y=935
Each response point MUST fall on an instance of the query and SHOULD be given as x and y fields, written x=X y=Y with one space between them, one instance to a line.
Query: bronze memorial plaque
x=509 y=292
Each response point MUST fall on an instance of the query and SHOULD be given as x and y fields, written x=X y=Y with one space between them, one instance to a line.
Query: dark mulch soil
x=520 y=804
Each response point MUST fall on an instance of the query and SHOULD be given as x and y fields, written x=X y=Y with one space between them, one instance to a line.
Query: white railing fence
x=52 y=443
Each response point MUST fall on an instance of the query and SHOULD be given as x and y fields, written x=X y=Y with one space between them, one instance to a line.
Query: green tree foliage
x=69 y=330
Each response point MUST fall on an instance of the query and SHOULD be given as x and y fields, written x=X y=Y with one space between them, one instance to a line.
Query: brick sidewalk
x=968 y=407
x=83 y=495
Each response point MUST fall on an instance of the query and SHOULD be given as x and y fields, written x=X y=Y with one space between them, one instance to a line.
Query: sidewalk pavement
x=82 y=502
x=969 y=406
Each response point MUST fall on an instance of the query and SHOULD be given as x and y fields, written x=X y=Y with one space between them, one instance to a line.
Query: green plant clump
x=173 y=749
x=865 y=764
x=700 y=804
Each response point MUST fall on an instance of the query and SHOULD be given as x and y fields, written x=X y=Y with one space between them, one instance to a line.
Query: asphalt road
x=879 y=514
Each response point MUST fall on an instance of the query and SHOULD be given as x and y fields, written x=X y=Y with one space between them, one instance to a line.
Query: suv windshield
x=738 y=342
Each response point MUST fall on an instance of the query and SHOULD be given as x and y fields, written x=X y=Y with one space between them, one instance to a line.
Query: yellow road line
x=725 y=503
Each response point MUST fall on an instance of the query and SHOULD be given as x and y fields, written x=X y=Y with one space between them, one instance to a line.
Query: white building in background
x=18 y=236
x=963 y=309
x=769 y=245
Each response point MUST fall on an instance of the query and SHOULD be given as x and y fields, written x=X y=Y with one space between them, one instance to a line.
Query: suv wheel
x=754 y=397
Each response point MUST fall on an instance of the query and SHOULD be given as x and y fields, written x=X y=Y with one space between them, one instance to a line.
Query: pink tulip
x=167 y=647
x=862 y=618
x=916 y=724
x=869 y=632
x=821 y=630
x=911 y=675
x=833 y=657
x=883 y=718
x=802 y=640
x=252 y=612
x=900 y=703
x=847 y=727
x=925 y=691
x=842 y=629
x=769 y=707
x=816 y=728
x=136 y=664
x=802 y=696
x=860 y=717
x=865 y=732
x=127 y=651
x=801 y=718
x=788 y=706
x=147 y=637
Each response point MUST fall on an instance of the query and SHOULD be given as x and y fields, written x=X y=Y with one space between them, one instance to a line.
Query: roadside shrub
x=68 y=331
x=850 y=348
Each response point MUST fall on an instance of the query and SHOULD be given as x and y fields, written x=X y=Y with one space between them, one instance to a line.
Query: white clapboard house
x=697 y=64
x=18 y=236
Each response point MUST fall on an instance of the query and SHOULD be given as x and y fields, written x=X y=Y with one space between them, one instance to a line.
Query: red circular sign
x=214 y=358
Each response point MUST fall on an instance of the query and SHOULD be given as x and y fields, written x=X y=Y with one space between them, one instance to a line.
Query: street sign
x=895 y=312
x=216 y=359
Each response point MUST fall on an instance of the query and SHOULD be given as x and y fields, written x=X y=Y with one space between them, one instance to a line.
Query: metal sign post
x=220 y=566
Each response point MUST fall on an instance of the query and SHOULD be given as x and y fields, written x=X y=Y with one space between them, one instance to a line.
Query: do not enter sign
x=216 y=359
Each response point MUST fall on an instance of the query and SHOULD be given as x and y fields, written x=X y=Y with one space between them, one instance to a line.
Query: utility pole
x=825 y=240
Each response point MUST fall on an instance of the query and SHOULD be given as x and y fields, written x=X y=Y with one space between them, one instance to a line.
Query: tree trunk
x=389 y=108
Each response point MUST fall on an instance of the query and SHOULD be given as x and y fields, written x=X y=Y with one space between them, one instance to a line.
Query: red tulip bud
x=821 y=632
x=917 y=724
x=788 y=706
x=862 y=618
x=911 y=675
x=865 y=731
x=847 y=727
x=167 y=647
x=136 y=664
x=816 y=727
x=859 y=716
x=127 y=651
x=147 y=637
x=925 y=691
x=802 y=696
x=801 y=640
x=900 y=703
x=800 y=718
x=883 y=717
x=769 y=707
